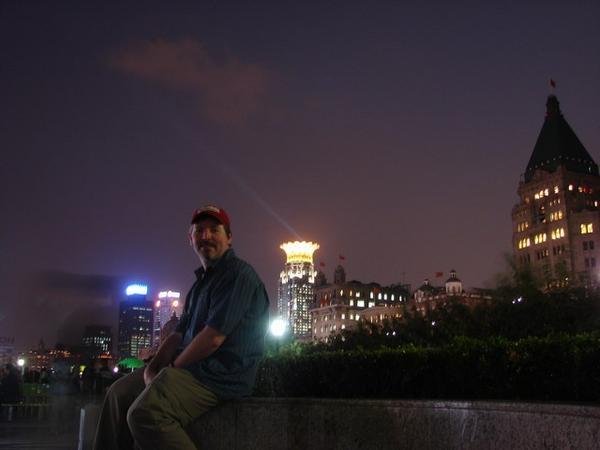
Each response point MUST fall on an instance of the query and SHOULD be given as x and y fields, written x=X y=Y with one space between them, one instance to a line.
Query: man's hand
x=149 y=374
x=163 y=357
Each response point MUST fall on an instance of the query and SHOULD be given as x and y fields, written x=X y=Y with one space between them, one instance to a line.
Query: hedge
x=556 y=368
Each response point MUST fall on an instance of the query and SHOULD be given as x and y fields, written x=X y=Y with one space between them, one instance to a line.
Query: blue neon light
x=136 y=289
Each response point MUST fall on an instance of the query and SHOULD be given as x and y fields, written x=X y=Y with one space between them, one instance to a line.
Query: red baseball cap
x=214 y=212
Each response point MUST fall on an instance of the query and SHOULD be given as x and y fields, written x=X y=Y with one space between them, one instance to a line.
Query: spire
x=558 y=145
x=339 y=276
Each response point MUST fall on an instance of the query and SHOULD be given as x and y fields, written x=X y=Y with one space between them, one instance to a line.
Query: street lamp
x=278 y=327
x=21 y=364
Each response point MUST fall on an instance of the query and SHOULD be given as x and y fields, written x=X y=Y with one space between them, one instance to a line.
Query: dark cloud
x=228 y=90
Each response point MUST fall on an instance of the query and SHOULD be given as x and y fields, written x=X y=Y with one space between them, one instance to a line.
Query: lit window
x=343 y=326
x=350 y=293
x=356 y=317
x=379 y=296
x=556 y=189
x=570 y=187
x=357 y=294
x=341 y=292
x=351 y=302
x=590 y=228
x=371 y=294
x=546 y=192
x=392 y=297
x=360 y=303
x=371 y=304
x=343 y=316
x=537 y=196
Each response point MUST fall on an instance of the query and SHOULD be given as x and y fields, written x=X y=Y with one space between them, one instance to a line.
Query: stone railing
x=328 y=424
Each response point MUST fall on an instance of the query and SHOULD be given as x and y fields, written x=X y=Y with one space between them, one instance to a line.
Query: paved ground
x=27 y=434
x=57 y=430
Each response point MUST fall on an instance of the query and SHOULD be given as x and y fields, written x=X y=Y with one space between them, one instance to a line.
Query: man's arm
x=203 y=344
x=163 y=356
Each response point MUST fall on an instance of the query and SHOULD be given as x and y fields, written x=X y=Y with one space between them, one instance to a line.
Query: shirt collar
x=200 y=271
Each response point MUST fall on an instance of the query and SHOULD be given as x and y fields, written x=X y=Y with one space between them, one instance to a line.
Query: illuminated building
x=340 y=305
x=7 y=349
x=135 y=321
x=97 y=340
x=428 y=297
x=296 y=283
x=556 y=220
x=166 y=305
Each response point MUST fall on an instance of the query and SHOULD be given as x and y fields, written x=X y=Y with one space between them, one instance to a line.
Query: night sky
x=393 y=133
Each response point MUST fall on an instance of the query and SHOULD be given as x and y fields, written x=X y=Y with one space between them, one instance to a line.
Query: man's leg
x=112 y=432
x=170 y=403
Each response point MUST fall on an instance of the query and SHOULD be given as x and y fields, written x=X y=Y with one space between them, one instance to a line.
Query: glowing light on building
x=169 y=294
x=299 y=252
x=136 y=289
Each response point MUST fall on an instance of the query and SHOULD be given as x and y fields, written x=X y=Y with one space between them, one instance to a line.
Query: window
x=393 y=297
x=371 y=304
x=585 y=245
x=587 y=228
x=556 y=189
x=351 y=302
x=591 y=245
x=371 y=294
x=360 y=303
x=343 y=316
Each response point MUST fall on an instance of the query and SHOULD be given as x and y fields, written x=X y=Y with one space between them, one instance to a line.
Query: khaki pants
x=155 y=415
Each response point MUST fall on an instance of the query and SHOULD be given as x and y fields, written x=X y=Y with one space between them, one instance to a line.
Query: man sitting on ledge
x=213 y=354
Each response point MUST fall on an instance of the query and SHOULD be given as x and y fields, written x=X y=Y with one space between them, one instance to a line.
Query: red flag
x=342 y=257
x=552 y=83
x=439 y=274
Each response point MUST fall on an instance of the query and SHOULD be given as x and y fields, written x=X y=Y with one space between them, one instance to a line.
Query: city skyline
x=394 y=135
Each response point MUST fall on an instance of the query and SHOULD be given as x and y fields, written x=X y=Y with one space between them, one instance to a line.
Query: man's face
x=209 y=239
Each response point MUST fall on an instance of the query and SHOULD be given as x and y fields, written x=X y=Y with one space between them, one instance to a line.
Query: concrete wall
x=321 y=424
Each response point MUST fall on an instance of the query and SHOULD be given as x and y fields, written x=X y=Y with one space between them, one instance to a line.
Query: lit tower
x=557 y=219
x=135 y=321
x=166 y=305
x=296 y=284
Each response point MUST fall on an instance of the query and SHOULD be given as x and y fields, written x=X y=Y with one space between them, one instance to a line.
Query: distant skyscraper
x=166 y=305
x=296 y=283
x=557 y=217
x=97 y=340
x=135 y=321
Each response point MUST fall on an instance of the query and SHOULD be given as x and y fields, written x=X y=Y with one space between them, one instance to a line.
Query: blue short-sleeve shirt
x=231 y=298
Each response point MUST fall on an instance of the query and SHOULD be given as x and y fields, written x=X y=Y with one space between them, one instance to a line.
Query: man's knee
x=129 y=386
x=136 y=417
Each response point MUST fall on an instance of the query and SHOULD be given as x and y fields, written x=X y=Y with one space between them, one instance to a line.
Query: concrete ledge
x=326 y=424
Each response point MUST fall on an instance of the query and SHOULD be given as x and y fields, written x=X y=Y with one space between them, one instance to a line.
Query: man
x=212 y=355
